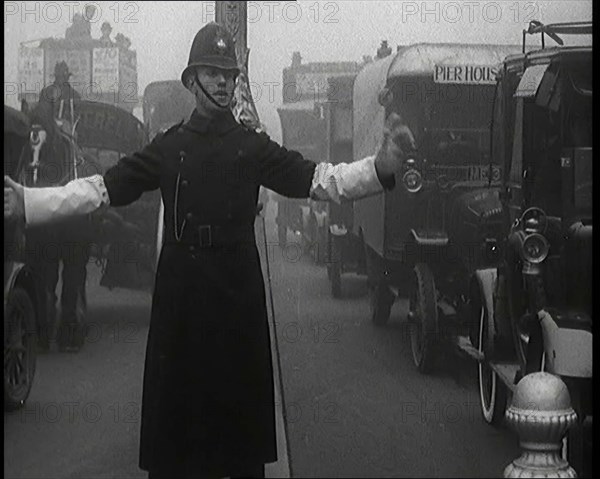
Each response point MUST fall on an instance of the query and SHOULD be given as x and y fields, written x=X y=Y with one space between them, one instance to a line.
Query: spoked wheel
x=423 y=316
x=20 y=344
x=334 y=268
x=492 y=392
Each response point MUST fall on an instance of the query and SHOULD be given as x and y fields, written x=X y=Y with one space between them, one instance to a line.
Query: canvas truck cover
x=445 y=63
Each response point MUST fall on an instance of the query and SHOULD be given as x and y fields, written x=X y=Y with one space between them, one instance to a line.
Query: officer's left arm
x=290 y=174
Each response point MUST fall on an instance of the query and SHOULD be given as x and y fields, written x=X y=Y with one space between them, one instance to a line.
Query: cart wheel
x=423 y=315
x=334 y=269
x=20 y=344
x=492 y=391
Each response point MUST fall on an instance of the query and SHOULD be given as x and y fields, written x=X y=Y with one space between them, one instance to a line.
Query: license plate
x=474 y=173
x=482 y=173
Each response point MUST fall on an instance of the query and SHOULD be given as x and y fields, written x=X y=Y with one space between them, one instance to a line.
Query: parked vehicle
x=24 y=297
x=344 y=252
x=533 y=310
x=425 y=238
x=305 y=87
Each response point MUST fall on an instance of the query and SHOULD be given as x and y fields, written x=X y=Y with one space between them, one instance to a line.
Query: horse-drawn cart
x=24 y=305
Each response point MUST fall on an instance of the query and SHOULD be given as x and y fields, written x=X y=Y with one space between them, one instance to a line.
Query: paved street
x=355 y=404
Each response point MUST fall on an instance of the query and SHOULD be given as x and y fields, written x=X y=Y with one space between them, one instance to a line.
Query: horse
x=54 y=159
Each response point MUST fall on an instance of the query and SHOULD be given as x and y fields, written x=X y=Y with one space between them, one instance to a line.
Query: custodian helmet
x=213 y=46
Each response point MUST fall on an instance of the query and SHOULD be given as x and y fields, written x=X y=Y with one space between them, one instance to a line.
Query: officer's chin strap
x=209 y=96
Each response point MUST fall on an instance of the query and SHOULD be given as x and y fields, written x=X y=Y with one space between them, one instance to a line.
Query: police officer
x=208 y=401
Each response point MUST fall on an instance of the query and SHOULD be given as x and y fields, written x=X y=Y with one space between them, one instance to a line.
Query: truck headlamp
x=534 y=220
x=534 y=248
x=413 y=181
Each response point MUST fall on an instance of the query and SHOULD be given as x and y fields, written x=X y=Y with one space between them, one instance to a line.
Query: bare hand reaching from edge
x=14 y=202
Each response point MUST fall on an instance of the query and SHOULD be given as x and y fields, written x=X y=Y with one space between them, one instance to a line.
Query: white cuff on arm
x=78 y=197
x=345 y=181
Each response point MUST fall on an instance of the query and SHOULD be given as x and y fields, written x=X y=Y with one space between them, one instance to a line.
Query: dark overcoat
x=208 y=404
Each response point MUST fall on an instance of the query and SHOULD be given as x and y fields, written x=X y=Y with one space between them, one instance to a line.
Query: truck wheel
x=334 y=269
x=492 y=391
x=20 y=344
x=423 y=315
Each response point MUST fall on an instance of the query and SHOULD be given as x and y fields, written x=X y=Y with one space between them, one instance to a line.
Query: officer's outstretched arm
x=120 y=185
x=289 y=174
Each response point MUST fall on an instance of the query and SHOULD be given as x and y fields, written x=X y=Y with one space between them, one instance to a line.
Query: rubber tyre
x=493 y=397
x=20 y=345
x=423 y=311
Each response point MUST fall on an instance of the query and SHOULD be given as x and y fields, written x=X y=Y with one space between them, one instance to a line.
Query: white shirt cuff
x=78 y=197
x=345 y=181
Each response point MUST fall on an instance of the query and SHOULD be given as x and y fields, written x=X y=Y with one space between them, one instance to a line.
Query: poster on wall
x=105 y=73
x=30 y=73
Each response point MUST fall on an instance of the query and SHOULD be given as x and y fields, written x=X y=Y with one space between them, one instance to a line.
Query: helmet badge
x=221 y=46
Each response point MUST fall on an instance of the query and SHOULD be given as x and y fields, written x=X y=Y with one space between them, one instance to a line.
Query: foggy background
x=162 y=32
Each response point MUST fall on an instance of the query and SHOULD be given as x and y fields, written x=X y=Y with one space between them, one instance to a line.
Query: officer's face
x=219 y=83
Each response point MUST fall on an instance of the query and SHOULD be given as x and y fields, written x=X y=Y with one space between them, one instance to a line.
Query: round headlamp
x=535 y=248
x=534 y=220
x=413 y=181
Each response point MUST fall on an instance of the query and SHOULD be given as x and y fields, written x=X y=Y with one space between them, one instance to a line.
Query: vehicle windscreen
x=451 y=122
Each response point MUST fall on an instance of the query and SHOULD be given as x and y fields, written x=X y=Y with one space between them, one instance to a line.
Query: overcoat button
x=182 y=153
x=240 y=153
x=184 y=183
x=189 y=216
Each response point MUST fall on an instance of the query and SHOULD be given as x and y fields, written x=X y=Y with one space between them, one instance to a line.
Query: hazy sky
x=162 y=32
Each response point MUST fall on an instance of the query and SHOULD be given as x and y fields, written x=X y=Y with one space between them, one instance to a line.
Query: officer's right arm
x=122 y=184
